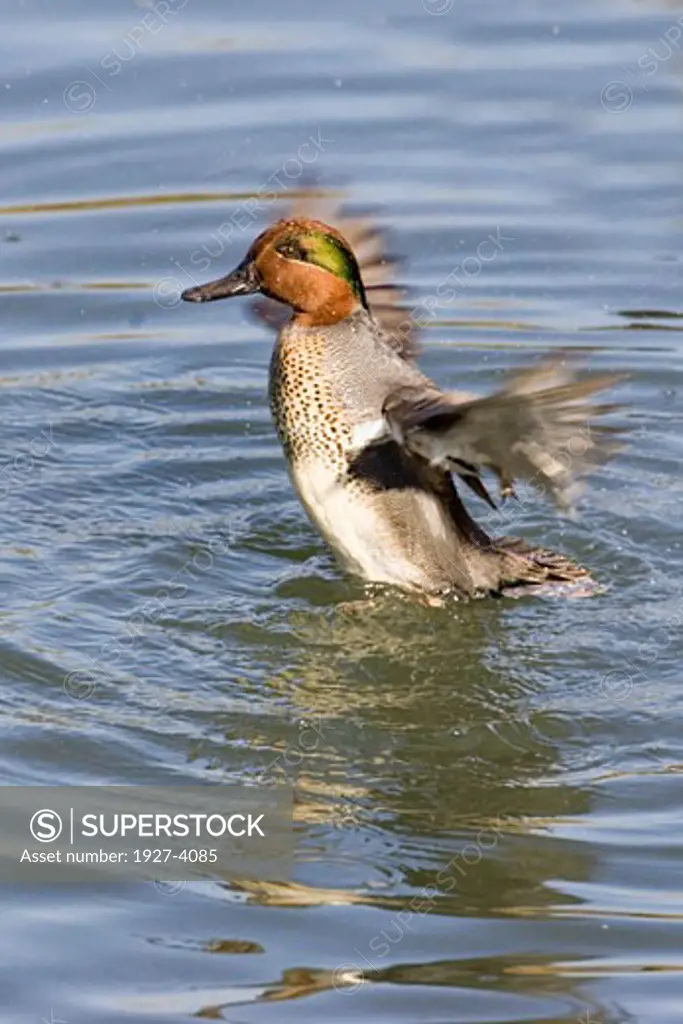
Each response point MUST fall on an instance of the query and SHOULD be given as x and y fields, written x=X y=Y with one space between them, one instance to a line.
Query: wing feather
x=540 y=427
x=377 y=267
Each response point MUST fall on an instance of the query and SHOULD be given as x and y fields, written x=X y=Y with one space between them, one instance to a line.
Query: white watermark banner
x=161 y=833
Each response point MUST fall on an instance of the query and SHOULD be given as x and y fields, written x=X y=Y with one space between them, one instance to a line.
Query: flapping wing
x=540 y=427
x=377 y=271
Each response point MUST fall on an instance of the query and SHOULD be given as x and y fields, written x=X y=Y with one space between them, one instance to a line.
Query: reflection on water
x=488 y=801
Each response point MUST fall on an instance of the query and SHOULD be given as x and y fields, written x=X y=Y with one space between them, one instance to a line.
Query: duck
x=377 y=452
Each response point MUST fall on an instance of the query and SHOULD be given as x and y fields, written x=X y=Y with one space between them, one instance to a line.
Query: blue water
x=521 y=757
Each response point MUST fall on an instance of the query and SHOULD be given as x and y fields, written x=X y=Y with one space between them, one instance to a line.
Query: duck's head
x=304 y=263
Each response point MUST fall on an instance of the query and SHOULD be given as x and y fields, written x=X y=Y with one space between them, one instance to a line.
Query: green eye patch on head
x=328 y=253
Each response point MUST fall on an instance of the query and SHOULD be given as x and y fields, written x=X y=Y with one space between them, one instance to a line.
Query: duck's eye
x=292 y=249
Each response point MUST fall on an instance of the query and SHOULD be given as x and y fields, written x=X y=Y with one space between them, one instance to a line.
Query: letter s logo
x=46 y=826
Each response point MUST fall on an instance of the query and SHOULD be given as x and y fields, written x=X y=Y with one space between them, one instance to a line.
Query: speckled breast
x=309 y=417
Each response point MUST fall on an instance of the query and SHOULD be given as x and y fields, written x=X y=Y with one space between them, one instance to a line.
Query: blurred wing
x=377 y=271
x=538 y=428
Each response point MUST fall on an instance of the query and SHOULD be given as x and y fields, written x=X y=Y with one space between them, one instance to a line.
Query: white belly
x=358 y=531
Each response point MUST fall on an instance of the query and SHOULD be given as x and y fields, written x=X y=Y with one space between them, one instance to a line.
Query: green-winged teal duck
x=373 y=445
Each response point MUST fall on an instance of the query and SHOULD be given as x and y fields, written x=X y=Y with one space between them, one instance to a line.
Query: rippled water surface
x=517 y=761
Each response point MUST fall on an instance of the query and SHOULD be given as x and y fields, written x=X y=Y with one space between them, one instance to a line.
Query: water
x=488 y=803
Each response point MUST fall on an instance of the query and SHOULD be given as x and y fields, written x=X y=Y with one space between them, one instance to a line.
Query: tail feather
x=526 y=568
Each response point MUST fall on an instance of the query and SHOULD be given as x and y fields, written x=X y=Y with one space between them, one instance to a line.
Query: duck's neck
x=327 y=313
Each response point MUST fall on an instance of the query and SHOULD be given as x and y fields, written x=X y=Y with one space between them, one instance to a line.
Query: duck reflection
x=423 y=790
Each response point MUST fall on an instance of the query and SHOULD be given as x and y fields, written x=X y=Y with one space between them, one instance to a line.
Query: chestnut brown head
x=304 y=263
